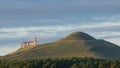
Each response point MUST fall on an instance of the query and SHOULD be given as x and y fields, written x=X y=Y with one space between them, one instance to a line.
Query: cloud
x=105 y=29
x=114 y=40
x=13 y=35
x=107 y=18
x=107 y=35
x=8 y=49
x=18 y=32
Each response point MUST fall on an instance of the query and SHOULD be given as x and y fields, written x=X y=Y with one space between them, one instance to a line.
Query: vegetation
x=71 y=48
x=79 y=36
x=60 y=63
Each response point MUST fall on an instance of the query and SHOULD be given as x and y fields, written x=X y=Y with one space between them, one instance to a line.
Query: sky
x=50 y=20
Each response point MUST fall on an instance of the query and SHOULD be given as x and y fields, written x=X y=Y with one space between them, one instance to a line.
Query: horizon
x=52 y=20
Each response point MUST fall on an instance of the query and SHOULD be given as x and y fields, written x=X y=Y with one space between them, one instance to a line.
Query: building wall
x=29 y=44
x=24 y=45
x=32 y=44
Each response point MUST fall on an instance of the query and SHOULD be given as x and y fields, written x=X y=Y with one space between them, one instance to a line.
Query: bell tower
x=35 y=40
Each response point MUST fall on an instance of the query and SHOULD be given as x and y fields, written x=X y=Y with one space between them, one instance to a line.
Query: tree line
x=60 y=63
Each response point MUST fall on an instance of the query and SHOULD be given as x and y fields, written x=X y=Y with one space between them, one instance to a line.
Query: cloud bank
x=106 y=30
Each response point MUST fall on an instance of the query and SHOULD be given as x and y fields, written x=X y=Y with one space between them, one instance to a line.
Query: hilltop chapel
x=29 y=43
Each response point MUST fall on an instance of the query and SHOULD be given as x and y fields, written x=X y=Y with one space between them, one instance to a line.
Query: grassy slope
x=71 y=48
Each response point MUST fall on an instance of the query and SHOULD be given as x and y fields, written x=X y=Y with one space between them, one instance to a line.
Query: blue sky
x=49 y=20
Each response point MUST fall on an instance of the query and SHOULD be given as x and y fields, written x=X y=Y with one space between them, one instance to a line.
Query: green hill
x=79 y=36
x=76 y=44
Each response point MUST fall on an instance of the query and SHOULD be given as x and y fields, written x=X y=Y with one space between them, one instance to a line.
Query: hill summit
x=79 y=36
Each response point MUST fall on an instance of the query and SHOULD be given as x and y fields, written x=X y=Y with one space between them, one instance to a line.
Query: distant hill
x=79 y=36
x=77 y=44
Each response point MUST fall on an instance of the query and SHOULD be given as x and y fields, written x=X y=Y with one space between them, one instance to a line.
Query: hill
x=77 y=44
x=79 y=36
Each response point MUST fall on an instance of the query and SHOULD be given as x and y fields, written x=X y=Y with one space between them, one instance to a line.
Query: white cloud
x=114 y=40
x=13 y=34
x=104 y=34
x=103 y=24
x=107 y=18
x=25 y=31
x=18 y=32
x=59 y=28
x=7 y=49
